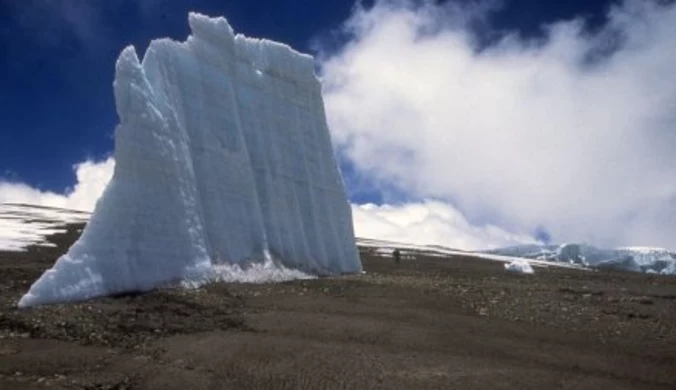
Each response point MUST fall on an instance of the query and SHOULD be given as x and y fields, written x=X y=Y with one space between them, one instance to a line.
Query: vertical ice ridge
x=312 y=219
x=258 y=213
x=190 y=193
x=236 y=152
x=161 y=57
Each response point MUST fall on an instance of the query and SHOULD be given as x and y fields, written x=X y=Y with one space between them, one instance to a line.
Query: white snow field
x=224 y=163
x=23 y=225
x=580 y=256
x=385 y=248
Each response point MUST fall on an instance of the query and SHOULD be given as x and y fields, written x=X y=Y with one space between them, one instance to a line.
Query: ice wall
x=223 y=157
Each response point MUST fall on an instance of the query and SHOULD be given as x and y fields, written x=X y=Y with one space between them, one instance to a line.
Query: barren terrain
x=428 y=323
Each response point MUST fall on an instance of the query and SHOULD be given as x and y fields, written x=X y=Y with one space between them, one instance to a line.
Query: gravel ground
x=430 y=322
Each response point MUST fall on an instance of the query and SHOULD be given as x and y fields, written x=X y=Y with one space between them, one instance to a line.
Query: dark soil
x=442 y=323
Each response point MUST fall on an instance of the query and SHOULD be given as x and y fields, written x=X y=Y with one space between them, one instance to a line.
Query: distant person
x=397 y=256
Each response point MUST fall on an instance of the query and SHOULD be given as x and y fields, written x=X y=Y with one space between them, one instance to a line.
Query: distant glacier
x=224 y=170
x=636 y=259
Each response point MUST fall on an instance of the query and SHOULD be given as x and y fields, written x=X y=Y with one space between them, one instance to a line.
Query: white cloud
x=92 y=178
x=575 y=132
x=429 y=222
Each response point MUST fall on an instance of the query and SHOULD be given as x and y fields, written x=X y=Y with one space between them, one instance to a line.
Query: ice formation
x=223 y=163
x=635 y=259
x=519 y=266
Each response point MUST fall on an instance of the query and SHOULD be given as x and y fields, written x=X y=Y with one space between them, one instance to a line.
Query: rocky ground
x=430 y=322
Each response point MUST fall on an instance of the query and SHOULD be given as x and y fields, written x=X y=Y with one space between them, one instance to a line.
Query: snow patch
x=24 y=225
x=520 y=267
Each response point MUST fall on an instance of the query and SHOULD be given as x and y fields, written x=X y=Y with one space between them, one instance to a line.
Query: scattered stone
x=643 y=300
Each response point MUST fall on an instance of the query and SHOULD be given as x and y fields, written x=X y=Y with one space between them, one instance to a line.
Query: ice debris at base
x=636 y=259
x=223 y=158
x=247 y=272
x=519 y=266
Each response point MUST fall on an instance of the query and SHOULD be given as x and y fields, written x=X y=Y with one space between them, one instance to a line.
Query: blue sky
x=531 y=119
x=58 y=59
x=56 y=68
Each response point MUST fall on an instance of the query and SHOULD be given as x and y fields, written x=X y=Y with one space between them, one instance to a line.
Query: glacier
x=224 y=168
x=635 y=259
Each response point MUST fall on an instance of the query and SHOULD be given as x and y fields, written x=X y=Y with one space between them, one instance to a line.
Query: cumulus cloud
x=429 y=222
x=574 y=131
x=91 y=179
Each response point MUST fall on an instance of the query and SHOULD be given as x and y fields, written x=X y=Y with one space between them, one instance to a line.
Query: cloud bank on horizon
x=91 y=177
x=571 y=131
